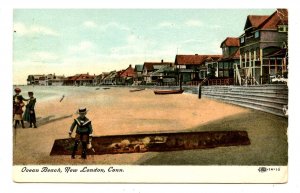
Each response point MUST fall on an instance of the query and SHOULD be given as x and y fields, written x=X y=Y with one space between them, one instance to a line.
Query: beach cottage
x=150 y=67
x=126 y=77
x=34 y=79
x=138 y=69
x=224 y=67
x=110 y=78
x=193 y=68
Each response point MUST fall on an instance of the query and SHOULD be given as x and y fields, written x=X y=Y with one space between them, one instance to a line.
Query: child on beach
x=18 y=111
x=29 y=114
x=83 y=132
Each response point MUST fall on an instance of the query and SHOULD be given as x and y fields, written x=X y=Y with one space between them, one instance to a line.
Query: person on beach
x=84 y=132
x=29 y=114
x=18 y=111
x=17 y=93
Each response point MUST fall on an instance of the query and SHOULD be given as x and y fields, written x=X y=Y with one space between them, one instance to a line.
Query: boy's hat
x=82 y=110
x=30 y=93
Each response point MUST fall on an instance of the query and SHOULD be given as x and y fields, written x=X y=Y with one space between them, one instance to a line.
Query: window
x=256 y=34
x=242 y=39
x=225 y=65
x=226 y=73
x=282 y=28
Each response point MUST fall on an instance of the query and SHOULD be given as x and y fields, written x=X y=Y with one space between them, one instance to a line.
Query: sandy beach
x=117 y=111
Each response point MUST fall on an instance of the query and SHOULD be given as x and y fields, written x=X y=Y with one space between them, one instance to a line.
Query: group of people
x=29 y=114
x=81 y=123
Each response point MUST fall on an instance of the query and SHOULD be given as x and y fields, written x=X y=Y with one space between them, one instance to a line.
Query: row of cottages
x=45 y=80
x=264 y=48
x=122 y=77
x=79 y=80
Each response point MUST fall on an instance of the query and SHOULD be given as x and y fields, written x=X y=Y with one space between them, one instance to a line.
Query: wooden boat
x=105 y=88
x=138 y=89
x=168 y=91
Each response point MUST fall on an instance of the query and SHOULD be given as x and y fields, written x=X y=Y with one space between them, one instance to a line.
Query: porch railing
x=221 y=81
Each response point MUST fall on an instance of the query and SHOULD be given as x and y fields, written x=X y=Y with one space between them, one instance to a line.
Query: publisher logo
x=268 y=169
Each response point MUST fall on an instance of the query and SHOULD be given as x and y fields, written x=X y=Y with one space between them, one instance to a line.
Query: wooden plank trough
x=156 y=142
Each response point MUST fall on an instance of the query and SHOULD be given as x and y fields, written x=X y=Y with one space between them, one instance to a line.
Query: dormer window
x=256 y=34
x=282 y=28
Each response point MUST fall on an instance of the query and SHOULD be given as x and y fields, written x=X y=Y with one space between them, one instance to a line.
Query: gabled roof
x=254 y=20
x=110 y=75
x=37 y=76
x=279 y=17
x=129 y=72
x=150 y=65
x=193 y=59
x=234 y=56
x=230 y=41
x=138 y=67
x=85 y=77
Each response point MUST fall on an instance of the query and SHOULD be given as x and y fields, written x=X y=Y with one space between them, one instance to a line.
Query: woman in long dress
x=29 y=114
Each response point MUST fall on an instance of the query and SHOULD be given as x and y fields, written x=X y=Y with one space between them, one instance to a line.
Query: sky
x=74 y=41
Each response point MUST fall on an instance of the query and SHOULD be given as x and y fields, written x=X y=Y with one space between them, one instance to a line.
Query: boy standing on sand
x=84 y=132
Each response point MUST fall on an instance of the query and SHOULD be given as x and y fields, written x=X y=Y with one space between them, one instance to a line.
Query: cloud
x=194 y=23
x=82 y=46
x=89 y=24
x=24 y=30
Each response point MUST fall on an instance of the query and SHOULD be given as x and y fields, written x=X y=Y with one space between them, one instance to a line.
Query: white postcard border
x=150 y=174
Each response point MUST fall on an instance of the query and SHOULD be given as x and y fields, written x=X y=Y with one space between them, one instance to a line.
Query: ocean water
x=42 y=93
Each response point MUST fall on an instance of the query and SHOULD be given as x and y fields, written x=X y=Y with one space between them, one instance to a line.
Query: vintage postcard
x=150 y=95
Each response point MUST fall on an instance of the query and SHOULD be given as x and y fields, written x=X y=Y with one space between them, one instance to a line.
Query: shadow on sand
x=267 y=134
x=50 y=119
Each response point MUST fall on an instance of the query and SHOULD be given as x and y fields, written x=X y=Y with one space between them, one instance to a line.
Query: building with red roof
x=126 y=77
x=192 y=67
x=263 y=36
x=230 y=57
x=150 y=67
x=80 y=80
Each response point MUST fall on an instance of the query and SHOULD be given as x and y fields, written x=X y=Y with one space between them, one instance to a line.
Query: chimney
x=87 y=73
x=130 y=66
x=162 y=61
